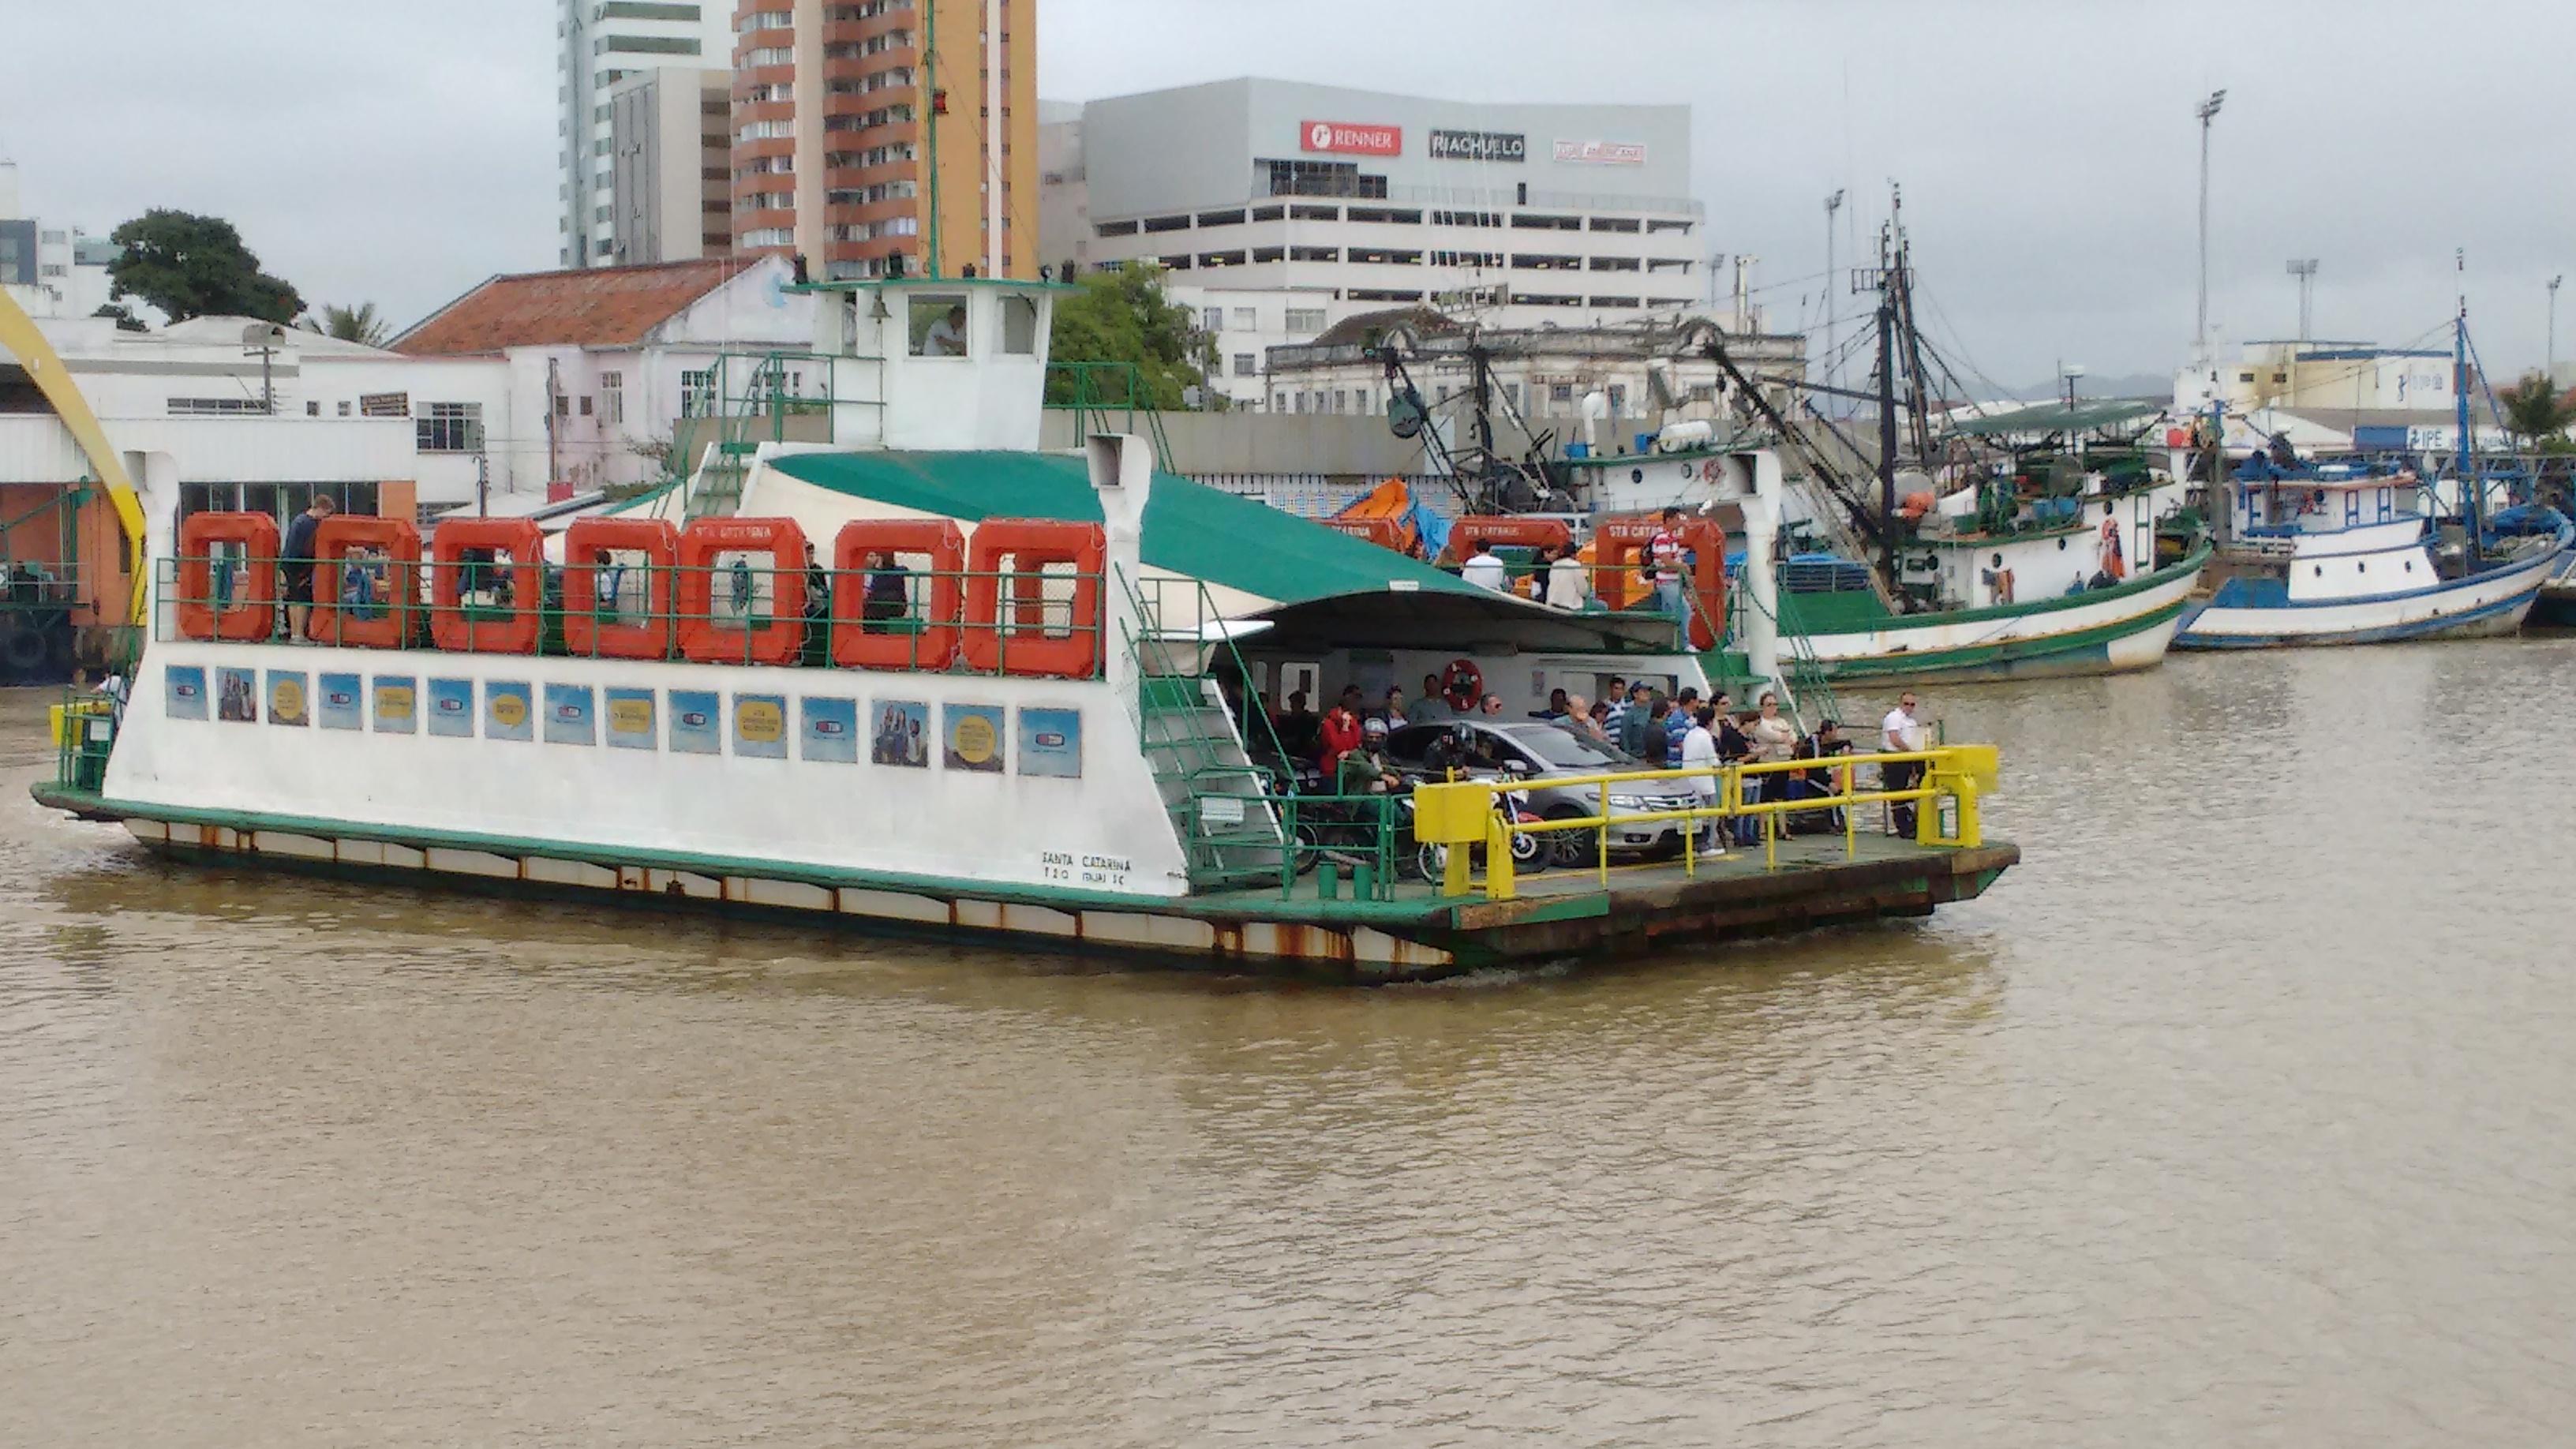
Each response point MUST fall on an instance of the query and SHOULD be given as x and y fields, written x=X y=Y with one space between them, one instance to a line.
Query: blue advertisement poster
x=630 y=720
x=902 y=733
x=760 y=726
x=831 y=732
x=569 y=719
x=397 y=704
x=509 y=711
x=290 y=700
x=184 y=692
x=1051 y=743
x=237 y=696
x=451 y=707
x=696 y=726
x=974 y=737
x=342 y=705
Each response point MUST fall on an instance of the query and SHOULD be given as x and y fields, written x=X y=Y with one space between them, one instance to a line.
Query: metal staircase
x=1218 y=798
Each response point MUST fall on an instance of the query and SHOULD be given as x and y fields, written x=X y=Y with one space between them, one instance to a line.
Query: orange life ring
x=584 y=635
x=1462 y=683
x=933 y=647
x=1024 y=548
x=332 y=622
x=451 y=627
x=703 y=640
x=250 y=614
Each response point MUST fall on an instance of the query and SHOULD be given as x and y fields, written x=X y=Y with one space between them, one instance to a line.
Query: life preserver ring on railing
x=930 y=646
x=1024 y=548
x=706 y=640
x=586 y=633
x=487 y=628
x=248 y=612
x=1462 y=683
x=334 y=620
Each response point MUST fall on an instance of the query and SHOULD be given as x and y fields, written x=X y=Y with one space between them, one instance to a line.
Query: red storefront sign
x=1341 y=138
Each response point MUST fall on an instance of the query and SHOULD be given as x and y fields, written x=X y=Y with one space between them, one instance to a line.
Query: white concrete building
x=2307 y=375
x=586 y=373
x=598 y=44
x=50 y=270
x=1282 y=209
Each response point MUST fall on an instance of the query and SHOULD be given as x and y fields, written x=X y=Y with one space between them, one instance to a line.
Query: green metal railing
x=1108 y=397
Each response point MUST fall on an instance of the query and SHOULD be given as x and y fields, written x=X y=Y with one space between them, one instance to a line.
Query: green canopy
x=2088 y=415
x=1190 y=529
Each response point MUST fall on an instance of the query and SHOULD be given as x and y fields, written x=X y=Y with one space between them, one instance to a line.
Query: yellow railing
x=1461 y=815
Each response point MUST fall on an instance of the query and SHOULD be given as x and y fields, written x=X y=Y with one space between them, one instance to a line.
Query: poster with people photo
x=902 y=733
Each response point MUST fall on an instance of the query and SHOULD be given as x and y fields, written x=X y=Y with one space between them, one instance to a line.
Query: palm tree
x=2536 y=411
x=358 y=324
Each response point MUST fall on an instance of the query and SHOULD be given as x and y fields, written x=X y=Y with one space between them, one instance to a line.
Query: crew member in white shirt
x=1484 y=570
x=1900 y=733
x=1566 y=582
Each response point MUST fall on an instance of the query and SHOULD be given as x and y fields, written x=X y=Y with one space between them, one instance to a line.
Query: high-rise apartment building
x=882 y=129
x=671 y=134
x=603 y=42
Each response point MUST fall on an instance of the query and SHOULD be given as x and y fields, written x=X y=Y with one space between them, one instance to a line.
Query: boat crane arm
x=18 y=336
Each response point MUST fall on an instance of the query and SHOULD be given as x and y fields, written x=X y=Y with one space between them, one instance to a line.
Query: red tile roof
x=601 y=307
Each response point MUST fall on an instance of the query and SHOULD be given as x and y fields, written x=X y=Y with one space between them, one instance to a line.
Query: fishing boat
x=2331 y=553
x=1011 y=697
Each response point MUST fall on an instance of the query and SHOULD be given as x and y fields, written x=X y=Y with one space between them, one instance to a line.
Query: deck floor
x=1796 y=853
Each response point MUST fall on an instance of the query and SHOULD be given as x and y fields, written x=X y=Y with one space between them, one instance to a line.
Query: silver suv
x=1533 y=750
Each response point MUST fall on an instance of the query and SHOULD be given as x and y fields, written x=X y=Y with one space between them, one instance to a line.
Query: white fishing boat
x=2341 y=554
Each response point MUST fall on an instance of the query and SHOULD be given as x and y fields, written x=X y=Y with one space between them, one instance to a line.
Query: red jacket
x=1340 y=736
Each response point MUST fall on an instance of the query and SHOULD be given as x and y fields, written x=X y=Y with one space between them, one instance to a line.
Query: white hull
x=2488 y=604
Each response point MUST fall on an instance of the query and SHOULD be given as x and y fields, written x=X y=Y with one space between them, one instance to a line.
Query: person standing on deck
x=296 y=562
x=1901 y=733
x=1486 y=571
x=1664 y=554
x=1567 y=586
x=1630 y=723
x=1699 y=752
x=818 y=610
x=1775 y=741
x=1341 y=732
x=1428 y=708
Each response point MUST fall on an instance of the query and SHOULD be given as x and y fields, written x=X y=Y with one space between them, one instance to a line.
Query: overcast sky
x=399 y=152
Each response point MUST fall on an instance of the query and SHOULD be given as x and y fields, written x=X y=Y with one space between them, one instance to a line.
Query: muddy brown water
x=2239 y=1113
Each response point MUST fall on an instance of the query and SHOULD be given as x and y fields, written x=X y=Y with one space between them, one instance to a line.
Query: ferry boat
x=2331 y=553
x=1011 y=697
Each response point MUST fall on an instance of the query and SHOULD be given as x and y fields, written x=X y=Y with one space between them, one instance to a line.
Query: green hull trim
x=2085 y=651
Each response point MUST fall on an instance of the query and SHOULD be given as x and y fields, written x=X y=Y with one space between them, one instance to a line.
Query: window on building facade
x=1247 y=364
x=449 y=428
x=612 y=396
x=1314 y=254
x=1318 y=178
x=1678 y=228
x=1247 y=319
x=1212 y=318
x=1314 y=213
x=698 y=392
x=1616 y=264
x=1305 y=321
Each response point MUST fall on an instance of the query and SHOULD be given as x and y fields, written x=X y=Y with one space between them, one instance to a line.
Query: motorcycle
x=1530 y=853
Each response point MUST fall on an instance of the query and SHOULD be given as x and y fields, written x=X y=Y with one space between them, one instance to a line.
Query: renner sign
x=1343 y=139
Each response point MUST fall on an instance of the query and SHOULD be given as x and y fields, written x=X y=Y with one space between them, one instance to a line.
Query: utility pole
x=2208 y=112
x=2305 y=269
x=1833 y=205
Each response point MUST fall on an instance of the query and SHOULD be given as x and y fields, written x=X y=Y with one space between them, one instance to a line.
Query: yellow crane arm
x=19 y=337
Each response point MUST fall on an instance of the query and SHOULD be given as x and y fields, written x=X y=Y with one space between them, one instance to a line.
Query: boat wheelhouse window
x=937 y=322
x=1020 y=326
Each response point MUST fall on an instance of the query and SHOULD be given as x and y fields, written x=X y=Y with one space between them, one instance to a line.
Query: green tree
x=196 y=266
x=2535 y=410
x=1123 y=315
x=359 y=324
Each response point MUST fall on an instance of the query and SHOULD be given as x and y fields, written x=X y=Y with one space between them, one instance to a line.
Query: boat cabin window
x=938 y=324
x=1020 y=326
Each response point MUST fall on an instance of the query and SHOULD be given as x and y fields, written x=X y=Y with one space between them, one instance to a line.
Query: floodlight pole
x=2208 y=112
x=1833 y=205
x=2553 y=329
x=2305 y=269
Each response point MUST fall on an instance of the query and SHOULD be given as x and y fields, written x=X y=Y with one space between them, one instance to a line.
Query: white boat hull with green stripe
x=2100 y=631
